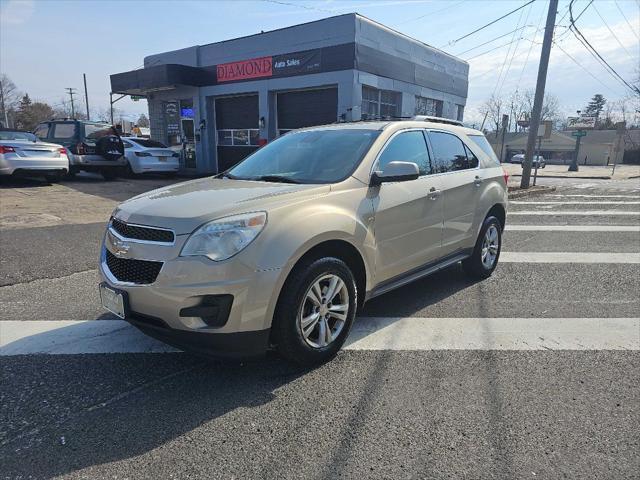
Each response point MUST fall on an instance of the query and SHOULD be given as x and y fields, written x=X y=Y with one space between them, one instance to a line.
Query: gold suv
x=282 y=249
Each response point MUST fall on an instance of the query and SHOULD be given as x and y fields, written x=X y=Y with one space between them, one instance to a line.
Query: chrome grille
x=138 y=232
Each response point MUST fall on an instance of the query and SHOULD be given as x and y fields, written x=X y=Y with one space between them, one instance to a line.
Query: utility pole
x=71 y=91
x=86 y=95
x=539 y=97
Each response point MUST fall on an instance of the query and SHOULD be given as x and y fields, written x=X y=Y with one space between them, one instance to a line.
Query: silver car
x=282 y=249
x=149 y=156
x=21 y=153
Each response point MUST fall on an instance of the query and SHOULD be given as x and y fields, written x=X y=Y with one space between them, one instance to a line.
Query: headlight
x=223 y=238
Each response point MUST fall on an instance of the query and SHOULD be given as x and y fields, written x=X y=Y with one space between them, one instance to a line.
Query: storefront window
x=379 y=103
x=428 y=106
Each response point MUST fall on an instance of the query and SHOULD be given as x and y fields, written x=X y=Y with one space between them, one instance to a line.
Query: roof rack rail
x=428 y=118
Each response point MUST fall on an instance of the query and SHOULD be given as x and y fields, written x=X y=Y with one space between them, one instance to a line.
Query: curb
x=538 y=190
x=600 y=177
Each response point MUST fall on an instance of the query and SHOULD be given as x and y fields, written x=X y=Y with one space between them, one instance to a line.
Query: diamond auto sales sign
x=245 y=69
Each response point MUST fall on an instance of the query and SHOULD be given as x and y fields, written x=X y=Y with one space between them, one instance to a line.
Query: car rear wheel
x=108 y=174
x=54 y=177
x=484 y=259
x=315 y=311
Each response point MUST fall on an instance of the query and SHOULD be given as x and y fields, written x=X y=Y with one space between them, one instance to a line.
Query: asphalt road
x=389 y=413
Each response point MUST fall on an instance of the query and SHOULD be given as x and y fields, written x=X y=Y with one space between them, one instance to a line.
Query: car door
x=408 y=215
x=461 y=179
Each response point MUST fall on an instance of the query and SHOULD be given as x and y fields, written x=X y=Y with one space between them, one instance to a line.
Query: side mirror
x=396 y=172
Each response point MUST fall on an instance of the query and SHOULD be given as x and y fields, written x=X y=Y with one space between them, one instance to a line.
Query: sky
x=46 y=45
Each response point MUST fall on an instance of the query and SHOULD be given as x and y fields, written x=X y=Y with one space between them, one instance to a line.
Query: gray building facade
x=221 y=101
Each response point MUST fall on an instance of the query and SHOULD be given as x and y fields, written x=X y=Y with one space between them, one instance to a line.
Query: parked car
x=92 y=146
x=148 y=156
x=537 y=159
x=21 y=153
x=280 y=250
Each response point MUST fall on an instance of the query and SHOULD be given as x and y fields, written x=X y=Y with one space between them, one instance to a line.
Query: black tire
x=286 y=329
x=474 y=265
x=109 y=174
x=73 y=171
x=128 y=171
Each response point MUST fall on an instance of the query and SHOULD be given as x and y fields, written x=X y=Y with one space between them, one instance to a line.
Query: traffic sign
x=579 y=133
x=135 y=98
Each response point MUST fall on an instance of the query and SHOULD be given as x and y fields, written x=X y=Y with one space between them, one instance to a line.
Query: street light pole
x=539 y=97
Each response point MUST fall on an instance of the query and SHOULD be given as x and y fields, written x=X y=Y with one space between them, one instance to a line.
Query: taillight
x=262 y=142
x=143 y=154
x=6 y=149
x=505 y=175
x=63 y=151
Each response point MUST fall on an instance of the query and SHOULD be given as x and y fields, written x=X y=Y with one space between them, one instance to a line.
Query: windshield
x=20 y=136
x=143 y=142
x=484 y=144
x=308 y=156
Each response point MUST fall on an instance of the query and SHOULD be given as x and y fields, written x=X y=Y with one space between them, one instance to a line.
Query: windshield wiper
x=275 y=178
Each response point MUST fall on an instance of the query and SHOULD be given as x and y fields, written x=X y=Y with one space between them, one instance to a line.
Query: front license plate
x=112 y=300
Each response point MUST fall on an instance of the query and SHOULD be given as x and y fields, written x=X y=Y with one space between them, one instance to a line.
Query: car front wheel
x=484 y=259
x=315 y=311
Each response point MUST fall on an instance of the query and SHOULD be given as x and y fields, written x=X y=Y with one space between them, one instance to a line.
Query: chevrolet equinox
x=282 y=249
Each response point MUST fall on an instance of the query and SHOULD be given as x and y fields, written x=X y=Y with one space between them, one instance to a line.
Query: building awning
x=161 y=77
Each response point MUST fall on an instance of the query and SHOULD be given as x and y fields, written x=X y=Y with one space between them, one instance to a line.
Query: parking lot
x=532 y=373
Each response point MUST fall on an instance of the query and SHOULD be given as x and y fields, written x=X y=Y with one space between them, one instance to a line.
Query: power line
x=453 y=42
x=535 y=35
x=451 y=5
x=299 y=5
x=578 y=34
x=568 y=29
x=626 y=19
x=493 y=39
x=612 y=32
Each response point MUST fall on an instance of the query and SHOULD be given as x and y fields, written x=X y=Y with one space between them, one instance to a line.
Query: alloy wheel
x=490 y=247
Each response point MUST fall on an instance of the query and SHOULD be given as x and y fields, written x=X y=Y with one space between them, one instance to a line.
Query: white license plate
x=162 y=159
x=112 y=301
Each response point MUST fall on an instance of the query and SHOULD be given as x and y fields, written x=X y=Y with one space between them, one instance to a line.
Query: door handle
x=434 y=193
x=477 y=181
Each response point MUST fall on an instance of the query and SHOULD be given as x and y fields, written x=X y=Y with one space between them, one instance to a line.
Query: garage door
x=237 y=128
x=305 y=108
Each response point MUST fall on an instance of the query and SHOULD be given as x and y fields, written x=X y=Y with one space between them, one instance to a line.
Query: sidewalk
x=623 y=172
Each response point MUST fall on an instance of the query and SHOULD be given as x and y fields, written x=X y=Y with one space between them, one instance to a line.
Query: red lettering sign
x=254 y=68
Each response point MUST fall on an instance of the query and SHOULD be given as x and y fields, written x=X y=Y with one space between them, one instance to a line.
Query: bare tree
x=492 y=109
x=9 y=100
x=143 y=121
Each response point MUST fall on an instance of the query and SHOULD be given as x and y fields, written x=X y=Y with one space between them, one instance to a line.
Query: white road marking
x=573 y=202
x=573 y=228
x=368 y=333
x=569 y=257
x=591 y=196
x=587 y=213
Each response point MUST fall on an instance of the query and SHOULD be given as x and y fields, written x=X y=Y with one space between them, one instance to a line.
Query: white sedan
x=148 y=156
x=21 y=153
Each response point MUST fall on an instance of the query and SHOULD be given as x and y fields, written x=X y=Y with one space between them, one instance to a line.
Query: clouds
x=16 y=12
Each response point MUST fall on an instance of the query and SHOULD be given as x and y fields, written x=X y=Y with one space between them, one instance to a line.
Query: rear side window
x=449 y=152
x=473 y=160
x=484 y=144
x=42 y=131
x=64 y=130
x=407 y=147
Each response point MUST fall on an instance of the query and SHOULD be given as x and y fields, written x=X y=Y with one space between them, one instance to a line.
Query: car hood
x=185 y=206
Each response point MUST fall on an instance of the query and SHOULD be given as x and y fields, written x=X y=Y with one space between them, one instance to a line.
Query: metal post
x=505 y=122
x=111 y=105
x=539 y=97
x=86 y=95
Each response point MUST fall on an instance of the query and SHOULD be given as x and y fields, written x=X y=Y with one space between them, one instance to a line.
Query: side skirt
x=417 y=273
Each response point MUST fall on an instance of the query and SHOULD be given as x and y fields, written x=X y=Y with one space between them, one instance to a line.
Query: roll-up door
x=237 y=128
x=305 y=108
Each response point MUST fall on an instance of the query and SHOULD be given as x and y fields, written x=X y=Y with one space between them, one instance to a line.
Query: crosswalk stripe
x=572 y=228
x=368 y=333
x=588 y=213
x=573 y=202
x=569 y=257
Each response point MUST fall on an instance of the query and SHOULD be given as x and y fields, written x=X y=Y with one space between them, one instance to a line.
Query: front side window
x=407 y=147
x=308 y=156
x=449 y=152
x=64 y=130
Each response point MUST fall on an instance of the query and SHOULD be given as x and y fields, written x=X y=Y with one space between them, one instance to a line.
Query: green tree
x=30 y=113
x=596 y=105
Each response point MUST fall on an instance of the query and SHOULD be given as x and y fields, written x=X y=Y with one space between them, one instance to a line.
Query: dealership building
x=221 y=101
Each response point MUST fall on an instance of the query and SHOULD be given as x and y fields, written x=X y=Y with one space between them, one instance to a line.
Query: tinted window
x=483 y=143
x=20 y=136
x=93 y=132
x=127 y=144
x=42 y=130
x=449 y=152
x=473 y=160
x=308 y=156
x=149 y=143
x=407 y=147
x=64 y=130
